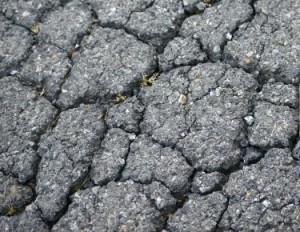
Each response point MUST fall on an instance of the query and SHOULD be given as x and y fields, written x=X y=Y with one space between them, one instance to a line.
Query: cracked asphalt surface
x=149 y=115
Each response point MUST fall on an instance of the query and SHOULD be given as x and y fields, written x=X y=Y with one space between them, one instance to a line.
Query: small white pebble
x=228 y=36
x=216 y=49
x=182 y=99
x=266 y=203
x=25 y=14
x=13 y=72
x=250 y=54
x=249 y=120
x=132 y=137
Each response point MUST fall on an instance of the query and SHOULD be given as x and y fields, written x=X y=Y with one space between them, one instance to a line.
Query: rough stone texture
x=216 y=119
x=111 y=62
x=147 y=161
x=66 y=153
x=204 y=183
x=214 y=27
x=29 y=221
x=27 y=13
x=115 y=207
x=199 y=212
x=269 y=43
x=109 y=161
x=126 y=115
x=203 y=79
x=252 y=155
x=117 y=13
x=15 y=43
x=273 y=125
x=195 y=6
x=13 y=196
x=161 y=196
x=164 y=117
x=179 y=52
x=24 y=117
x=264 y=195
x=280 y=94
x=157 y=24
x=168 y=113
x=46 y=69
x=64 y=26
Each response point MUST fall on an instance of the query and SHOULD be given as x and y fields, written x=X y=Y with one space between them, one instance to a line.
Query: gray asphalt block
x=149 y=115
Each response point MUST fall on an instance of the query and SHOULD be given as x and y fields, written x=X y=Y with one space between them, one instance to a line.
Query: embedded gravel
x=149 y=115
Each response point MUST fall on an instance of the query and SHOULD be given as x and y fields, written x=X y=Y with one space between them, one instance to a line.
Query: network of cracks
x=149 y=115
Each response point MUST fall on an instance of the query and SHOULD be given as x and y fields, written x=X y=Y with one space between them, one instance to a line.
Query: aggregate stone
x=179 y=52
x=13 y=196
x=117 y=13
x=46 y=69
x=27 y=13
x=264 y=195
x=269 y=44
x=126 y=115
x=157 y=24
x=280 y=94
x=216 y=119
x=148 y=161
x=111 y=62
x=214 y=27
x=274 y=125
x=249 y=120
x=204 y=183
x=198 y=213
x=109 y=160
x=29 y=221
x=115 y=207
x=64 y=26
x=15 y=43
x=164 y=117
x=66 y=153
x=24 y=117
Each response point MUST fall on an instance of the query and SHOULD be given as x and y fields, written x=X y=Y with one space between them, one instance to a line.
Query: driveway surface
x=149 y=115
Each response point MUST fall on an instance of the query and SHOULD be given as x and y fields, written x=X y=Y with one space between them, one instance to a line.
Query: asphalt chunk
x=15 y=42
x=46 y=70
x=269 y=43
x=147 y=160
x=111 y=158
x=27 y=13
x=112 y=62
x=157 y=24
x=207 y=210
x=264 y=195
x=215 y=26
x=24 y=117
x=117 y=206
x=180 y=52
x=64 y=26
x=66 y=153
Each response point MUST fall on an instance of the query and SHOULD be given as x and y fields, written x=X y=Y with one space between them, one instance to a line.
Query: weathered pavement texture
x=149 y=115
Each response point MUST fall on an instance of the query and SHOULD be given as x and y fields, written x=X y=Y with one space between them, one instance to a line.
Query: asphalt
x=149 y=115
